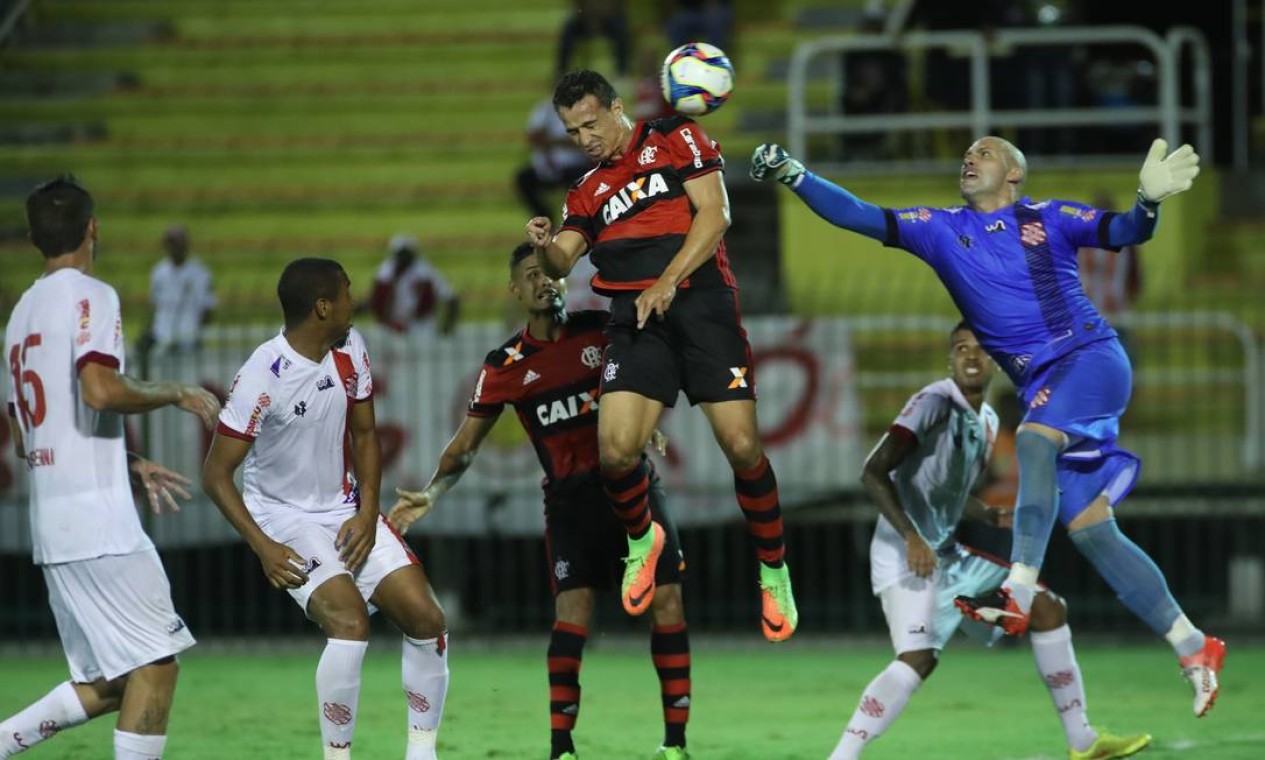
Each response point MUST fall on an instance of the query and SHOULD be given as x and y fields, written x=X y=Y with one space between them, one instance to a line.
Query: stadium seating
x=274 y=135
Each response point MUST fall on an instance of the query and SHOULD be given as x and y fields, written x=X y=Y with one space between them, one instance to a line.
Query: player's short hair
x=574 y=86
x=959 y=327
x=305 y=281
x=57 y=215
x=520 y=252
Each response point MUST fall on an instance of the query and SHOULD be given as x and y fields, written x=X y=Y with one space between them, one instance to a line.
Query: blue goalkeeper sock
x=1037 y=505
x=1135 y=579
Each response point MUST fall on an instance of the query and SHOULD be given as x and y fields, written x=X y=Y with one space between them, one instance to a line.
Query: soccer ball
x=697 y=78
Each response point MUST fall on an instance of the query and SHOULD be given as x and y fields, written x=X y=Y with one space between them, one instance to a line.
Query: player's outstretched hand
x=539 y=231
x=200 y=401
x=282 y=565
x=160 y=484
x=659 y=442
x=356 y=538
x=409 y=508
x=654 y=300
x=1163 y=176
x=922 y=559
x=771 y=161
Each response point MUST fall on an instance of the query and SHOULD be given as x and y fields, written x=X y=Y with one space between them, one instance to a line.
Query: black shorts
x=586 y=544
x=699 y=347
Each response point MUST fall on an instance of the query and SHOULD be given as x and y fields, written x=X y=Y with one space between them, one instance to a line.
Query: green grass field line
x=749 y=703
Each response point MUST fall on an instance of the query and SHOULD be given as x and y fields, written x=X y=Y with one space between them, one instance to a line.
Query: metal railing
x=981 y=118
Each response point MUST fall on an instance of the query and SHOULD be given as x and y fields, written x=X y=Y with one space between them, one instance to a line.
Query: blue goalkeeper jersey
x=1012 y=274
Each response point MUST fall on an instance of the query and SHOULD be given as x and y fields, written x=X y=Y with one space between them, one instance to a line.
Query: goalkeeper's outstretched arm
x=829 y=201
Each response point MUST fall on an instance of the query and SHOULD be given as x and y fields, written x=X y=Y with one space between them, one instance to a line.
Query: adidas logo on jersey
x=567 y=408
x=601 y=188
x=531 y=376
x=645 y=187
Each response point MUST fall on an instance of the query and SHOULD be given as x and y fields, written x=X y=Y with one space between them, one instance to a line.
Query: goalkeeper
x=1010 y=265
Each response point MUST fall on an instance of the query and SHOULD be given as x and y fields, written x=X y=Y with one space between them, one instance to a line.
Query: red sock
x=627 y=493
x=757 y=497
x=566 y=651
x=670 y=648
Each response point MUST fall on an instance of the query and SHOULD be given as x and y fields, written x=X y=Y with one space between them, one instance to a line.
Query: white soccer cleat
x=1203 y=671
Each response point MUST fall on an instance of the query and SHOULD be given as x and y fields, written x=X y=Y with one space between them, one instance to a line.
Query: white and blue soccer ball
x=697 y=78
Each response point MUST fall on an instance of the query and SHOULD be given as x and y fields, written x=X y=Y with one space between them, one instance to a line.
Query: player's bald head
x=1014 y=157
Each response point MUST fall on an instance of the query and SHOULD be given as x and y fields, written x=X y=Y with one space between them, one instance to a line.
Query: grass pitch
x=752 y=702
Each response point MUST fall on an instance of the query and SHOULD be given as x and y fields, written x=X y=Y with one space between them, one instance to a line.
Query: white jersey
x=180 y=295
x=296 y=412
x=954 y=444
x=81 y=500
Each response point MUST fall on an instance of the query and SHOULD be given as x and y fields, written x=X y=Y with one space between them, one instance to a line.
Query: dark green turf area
x=750 y=702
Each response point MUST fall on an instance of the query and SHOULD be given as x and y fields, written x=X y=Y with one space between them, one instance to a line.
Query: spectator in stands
x=709 y=21
x=589 y=18
x=1112 y=279
x=555 y=161
x=875 y=82
x=410 y=296
x=182 y=295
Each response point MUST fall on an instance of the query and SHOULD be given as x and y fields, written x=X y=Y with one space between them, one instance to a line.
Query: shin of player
x=652 y=215
x=549 y=372
x=311 y=513
x=106 y=584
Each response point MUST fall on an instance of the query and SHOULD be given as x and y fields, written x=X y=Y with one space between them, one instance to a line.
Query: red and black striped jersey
x=553 y=387
x=634 y=213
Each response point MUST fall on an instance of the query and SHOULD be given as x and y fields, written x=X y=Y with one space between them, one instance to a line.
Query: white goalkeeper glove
x=771 y=160
x=1164 y=176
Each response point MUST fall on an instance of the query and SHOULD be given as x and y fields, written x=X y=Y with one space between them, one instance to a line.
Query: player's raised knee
x=619 y=453
x=742 y=448
x=1049 y=612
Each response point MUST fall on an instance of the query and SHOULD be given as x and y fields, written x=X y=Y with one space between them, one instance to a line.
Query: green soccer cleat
x=1109 y=746
x=568 y=756
x=671 y=753
x=637 y=590
x=778 y=616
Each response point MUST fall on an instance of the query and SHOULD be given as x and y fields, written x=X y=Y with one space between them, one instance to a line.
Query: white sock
x=424 y=672
x=57 y=710
x=1056 y=664
x=338 y=693
x=129 y=746
x=1022 y=585
x=1186 y=639
x=881 y=703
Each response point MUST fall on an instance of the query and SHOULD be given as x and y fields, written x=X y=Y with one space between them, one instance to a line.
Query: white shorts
x=312 y=536
x=114 y=614
x=920 y=611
